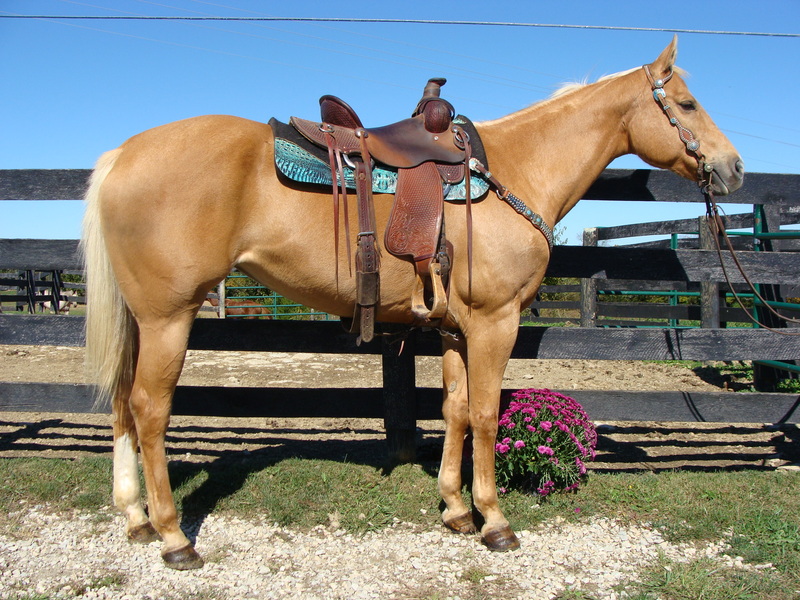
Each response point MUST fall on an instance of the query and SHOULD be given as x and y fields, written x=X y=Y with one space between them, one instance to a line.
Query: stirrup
x=418 y=305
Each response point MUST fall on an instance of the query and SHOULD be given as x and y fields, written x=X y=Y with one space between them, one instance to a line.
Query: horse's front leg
x=455 y=410
x=489 y=345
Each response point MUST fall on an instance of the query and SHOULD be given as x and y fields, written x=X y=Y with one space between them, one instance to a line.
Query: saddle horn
x=437 y=113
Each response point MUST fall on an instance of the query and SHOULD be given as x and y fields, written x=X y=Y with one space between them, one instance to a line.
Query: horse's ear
x=664 y=63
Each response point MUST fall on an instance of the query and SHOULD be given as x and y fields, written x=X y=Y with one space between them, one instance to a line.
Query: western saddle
x=429 y=151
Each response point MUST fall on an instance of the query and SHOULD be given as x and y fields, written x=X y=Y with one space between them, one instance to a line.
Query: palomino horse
x=175 y=208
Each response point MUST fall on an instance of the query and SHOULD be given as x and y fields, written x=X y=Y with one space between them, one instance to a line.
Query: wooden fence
x=701 y=302
x=399 y=402
x=611 y=302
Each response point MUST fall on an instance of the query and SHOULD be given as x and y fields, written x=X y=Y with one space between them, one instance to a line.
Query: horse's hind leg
x=127 y=496
x=162 y=349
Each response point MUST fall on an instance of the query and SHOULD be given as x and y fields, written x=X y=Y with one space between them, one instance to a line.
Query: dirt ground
x=622 y=446
x=284 y=369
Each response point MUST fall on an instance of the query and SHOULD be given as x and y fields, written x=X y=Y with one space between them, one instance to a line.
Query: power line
x=399 y=21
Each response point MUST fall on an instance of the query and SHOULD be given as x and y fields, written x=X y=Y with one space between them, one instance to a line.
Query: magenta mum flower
x=546 y=488
x=552 y=438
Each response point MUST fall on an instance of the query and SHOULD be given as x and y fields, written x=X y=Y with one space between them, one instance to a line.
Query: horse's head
x=670 y=130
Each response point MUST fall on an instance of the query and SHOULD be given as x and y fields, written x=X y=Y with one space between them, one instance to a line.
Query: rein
x=704 y=172
x=717 y=231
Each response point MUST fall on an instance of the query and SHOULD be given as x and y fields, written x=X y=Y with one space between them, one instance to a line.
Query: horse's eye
x=688 y=105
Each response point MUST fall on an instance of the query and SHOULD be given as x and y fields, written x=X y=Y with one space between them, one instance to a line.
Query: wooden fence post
x=767 y=219
x=709 y=290
x=400 y=398
x=25 y=288
x=589 y=286
x=221 y=298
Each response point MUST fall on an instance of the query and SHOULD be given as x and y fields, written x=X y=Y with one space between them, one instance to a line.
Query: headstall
x=704 y=171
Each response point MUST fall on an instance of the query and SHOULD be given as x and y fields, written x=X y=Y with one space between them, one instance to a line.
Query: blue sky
x=74 y=89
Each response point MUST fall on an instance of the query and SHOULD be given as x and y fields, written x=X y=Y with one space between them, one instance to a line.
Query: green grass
x=755 y=511
x=707 y=580
x=305 y=493
x=65 y=484
x=788 y=386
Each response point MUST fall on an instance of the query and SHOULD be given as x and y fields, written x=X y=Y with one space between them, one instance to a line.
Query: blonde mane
x=569 y=88
x=564 y=90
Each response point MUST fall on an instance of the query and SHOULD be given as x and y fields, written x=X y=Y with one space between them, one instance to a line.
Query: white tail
x=111 y=333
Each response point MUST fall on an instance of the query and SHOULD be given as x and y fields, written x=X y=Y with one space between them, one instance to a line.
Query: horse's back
x=184 y=130
x=218 y=145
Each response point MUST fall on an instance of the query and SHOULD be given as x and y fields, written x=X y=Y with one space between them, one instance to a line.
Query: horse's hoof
x=500 y=540
x=183 y=559
x=143 y=534
x=462 y=524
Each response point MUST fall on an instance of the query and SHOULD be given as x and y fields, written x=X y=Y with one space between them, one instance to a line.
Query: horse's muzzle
x=727 y=177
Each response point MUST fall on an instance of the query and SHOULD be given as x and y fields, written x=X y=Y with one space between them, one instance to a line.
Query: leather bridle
x=704 y=168
x=704 y=173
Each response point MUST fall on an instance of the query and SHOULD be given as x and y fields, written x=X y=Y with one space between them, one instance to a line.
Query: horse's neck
x=550 y=153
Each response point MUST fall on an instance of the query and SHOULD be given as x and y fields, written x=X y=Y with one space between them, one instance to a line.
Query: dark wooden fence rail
x=400 y=403
x=709 y=308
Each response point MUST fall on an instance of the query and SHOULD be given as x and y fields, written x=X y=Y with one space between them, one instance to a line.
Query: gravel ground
x=86 y=556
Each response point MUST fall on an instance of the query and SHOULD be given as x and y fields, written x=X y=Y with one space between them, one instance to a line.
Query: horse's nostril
x=739 y=167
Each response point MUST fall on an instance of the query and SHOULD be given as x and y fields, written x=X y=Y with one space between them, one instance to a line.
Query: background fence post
x=767 y=219
x=709 y=290
x=221 y=299
x=400 y=397
x=589 y=286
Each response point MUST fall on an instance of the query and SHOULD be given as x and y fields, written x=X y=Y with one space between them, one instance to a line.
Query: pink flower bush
x=544 y=441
